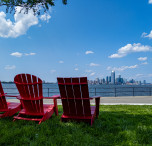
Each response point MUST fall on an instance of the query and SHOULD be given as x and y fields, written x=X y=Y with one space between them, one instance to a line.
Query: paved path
x=126 y=100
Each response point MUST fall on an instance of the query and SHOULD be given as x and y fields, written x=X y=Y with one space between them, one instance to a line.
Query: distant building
x=103 y=81
x=132 y=81
x=113 y=77
x=97 y=81
x=109 y=78
x=119 y=80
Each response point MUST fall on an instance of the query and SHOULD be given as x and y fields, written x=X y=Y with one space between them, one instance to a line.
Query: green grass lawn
x=116 y=125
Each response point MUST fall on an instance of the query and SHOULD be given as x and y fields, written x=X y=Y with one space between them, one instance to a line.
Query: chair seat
x=93 y=109
x=46 y=108
x=12 y=105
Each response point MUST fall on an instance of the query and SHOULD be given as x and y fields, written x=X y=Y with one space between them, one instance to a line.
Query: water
x=100 y=90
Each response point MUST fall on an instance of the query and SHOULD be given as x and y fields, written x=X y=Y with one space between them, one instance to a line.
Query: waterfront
x=100 y=90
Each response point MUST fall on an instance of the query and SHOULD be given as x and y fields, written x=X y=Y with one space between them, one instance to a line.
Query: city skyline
x=78 y=39
x=106 y=80
x=116 y=80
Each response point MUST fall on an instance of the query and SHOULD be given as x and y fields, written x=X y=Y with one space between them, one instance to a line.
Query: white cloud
x=93 y=64
x=19 y=27
x=88 y=71
x=109 y=68
x=9 y=67
x=149 y=75
x=129 y=48
x=61 y=61
x=144 y=63
x=45 y=17
x=53 y=71
x=17 y=54
x=22 y=22
x=146 y=35
x=89 y=52
x=29 y=54
x=92 y=74
x=139 y=75
x=150 y=1
x=76 y=69
x=122 y=68
x=142 y=58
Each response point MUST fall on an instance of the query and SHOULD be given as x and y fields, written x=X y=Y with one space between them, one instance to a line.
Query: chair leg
x=40 y=122
x=97 y=101
x=55 y=107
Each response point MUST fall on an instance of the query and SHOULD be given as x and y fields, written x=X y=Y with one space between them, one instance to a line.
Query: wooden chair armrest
x=18 y=97
x=53 y=97
x=94 y=97
x=97 y=102
x=11 y=95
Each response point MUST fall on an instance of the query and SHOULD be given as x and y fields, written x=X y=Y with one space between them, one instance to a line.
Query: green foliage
x=35 y=5
x=116 y=125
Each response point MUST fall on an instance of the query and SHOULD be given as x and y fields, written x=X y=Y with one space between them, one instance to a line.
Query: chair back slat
x=65 y=102
x=30 y=87
x=31 y=91
x=35 y=86
x=85 y=94
x=75 y=96
x=3 y=103
x=20 y=87
x=40 y=95
x=26 y=89
x=1 y=89
x=69 y=94
x=33 y=104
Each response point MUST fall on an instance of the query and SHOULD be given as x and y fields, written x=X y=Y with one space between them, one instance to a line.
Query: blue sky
x=84 y=38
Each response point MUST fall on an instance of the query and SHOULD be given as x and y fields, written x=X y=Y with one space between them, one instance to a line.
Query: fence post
x=133 y=91
x=95 y=91
x=115 y=92
x=48 y=92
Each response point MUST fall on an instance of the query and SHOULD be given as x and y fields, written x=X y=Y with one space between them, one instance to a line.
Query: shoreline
x=123 y=100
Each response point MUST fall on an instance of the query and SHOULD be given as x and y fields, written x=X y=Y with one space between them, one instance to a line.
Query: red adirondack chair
x=31 y=98
x=7 y=109
x=75 y=100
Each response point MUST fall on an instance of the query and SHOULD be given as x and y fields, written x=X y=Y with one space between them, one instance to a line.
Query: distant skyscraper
x=107 y=81
x=109 y=78
x=97 y=80
x=113 y=77
x=103 y=81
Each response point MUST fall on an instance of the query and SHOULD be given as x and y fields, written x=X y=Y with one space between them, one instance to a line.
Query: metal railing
x=123 y=91
x=105 y=92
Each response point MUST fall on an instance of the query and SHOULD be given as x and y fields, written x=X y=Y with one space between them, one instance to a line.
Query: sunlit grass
x=116 y=125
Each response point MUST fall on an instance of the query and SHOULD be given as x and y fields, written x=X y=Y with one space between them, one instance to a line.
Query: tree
x=35 y=5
